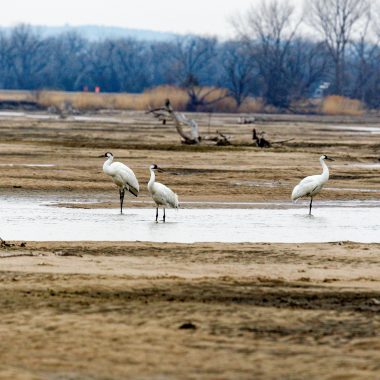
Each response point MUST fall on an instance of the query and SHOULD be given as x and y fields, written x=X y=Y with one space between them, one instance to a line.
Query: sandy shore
x=252 y=311
x=264 y=311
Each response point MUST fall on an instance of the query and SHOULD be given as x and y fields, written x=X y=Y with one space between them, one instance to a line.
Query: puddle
x=352 y=189
x=28 y=165
x=99 y=119
x=364 y=166
x=30 y=115
x=373 y=130
x=258 y=183
x=39 y=116
x=29 y=219
x=367 y=166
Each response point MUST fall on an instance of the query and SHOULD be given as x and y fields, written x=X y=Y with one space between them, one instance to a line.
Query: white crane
x=161 y=194
x=123 y=177
x=312 y=185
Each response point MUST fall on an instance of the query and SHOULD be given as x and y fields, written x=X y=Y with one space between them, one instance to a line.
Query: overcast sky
x=179 y=16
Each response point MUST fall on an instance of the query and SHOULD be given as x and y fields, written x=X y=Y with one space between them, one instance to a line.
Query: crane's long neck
x=325 y=172
x=152 y=179
x=107 y=164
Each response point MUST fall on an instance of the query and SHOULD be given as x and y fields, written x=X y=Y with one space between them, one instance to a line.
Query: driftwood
x=180 y=120
x=191 y=137
x=3 y=243
x=257 y=119
x=220 y=139
x=247 y=120
x=260 y=141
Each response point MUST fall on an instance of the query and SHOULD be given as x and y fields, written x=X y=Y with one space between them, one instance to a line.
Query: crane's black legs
x=157 y=215
x=311 y=203
x=121 y=200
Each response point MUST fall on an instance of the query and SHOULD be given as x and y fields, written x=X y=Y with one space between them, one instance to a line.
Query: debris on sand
x=187 y=326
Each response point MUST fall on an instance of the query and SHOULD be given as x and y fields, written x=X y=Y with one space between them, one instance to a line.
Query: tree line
x=279 y=54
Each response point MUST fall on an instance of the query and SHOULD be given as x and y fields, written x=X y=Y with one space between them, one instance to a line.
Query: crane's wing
x=163 y=195
x=310 y=178
x=128 y=177
x=306 y=187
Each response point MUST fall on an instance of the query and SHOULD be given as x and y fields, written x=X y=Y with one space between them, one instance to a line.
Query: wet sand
x=86 y=310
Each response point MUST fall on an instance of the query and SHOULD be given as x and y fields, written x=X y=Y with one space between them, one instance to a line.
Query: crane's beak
x=160 y=170
x=329 y=159
x=100 y=156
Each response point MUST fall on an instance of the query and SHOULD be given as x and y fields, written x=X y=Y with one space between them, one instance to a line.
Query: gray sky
x=190 y=16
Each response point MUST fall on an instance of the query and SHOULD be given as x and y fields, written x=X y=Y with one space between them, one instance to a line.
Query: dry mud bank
x=115 y=311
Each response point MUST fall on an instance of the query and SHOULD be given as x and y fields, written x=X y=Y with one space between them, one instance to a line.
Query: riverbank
x=143 y=310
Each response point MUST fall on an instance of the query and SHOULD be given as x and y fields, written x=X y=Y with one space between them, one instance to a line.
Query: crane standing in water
x=161 y=194
x=122 y=176
x=312 y=185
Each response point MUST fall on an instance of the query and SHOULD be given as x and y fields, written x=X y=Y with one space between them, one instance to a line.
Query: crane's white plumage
x=312 y=185
x=161 y=194
x=122 y=176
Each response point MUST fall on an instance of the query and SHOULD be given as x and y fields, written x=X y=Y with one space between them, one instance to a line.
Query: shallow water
x=29 y=219
x=29 y=165
x=358 y=128
x=40 y=116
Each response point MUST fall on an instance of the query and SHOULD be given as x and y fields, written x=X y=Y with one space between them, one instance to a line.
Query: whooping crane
x=312 y=185
x=161 y=194
x=123 y=177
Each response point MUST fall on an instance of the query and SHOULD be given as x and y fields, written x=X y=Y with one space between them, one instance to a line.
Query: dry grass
x=85 y=100
x=215 y=100
x=339 y=105
x=17 y=95
x=89 y=101
x=151 y=98
x=252 y=105
x=156 y=96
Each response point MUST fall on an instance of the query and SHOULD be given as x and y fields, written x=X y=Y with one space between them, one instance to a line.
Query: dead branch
x=167 y=113
x=160 y=114
x=282 y=141
x=222 y=140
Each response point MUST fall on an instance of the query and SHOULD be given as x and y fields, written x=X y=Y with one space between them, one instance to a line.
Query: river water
x=38 y=220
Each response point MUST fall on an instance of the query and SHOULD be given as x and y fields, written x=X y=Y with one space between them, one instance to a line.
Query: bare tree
x=268 y=30
x=238 y=70
x=29 y=53
x=6 y=62
x=192 y=59
x=66 y=61
x=307 y=66
x=364 y=55
x=336 y=21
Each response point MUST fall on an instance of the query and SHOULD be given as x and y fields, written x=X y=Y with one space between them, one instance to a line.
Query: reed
x=340 y=105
